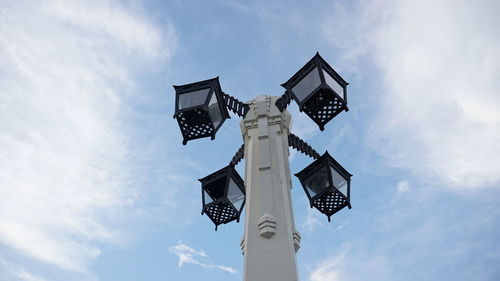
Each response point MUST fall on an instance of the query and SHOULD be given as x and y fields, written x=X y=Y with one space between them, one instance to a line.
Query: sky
x=96 y=185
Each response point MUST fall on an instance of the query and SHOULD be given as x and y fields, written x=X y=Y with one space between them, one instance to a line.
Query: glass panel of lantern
x=235 y=194
x=319 y=91
x=200 y=109
x=327 y=185
x=194 y=98
x=317 y=182
x=223 y=195
x=307 y=84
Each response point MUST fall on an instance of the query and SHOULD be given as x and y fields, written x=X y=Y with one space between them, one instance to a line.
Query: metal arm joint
x=238 y=156
x=302 y=146
x=283 y=101
x=239 y=108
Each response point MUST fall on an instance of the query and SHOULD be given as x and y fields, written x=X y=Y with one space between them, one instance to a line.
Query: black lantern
x=223 y=195
x=327 y=185
x=319 y=91
x=200 y=109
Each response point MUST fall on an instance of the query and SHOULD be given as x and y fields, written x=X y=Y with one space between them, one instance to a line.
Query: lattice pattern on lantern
x=323 y=107
x=194 y=124
x=221 y=212
x=330 y=202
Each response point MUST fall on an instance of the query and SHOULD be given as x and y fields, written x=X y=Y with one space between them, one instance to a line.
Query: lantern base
x=330 y=202
x=323 y=107
x=221 y=213
x=195 y=124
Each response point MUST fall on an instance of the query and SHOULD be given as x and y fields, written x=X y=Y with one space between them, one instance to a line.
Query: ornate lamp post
x=270 y=238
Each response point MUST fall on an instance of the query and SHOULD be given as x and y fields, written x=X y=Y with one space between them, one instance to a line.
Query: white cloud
x=67 y=69
x=416 y=238
x=329 y=270
x=9 y=271
x=347 y=265
x=226 y=269
x=311 y=222
x=439 y=87
x=302 y=125
x=23 y=275
x=188 y=255
x=403 y=186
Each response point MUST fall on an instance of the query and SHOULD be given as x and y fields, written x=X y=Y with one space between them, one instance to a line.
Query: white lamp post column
x=270 y=240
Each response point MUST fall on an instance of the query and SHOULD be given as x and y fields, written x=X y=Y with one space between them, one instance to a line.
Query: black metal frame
x=240 y=154
x=196 y=127
x=283 y=101
x=302 y=146
x=316 y=109
x=326 y=161
x=239 y=108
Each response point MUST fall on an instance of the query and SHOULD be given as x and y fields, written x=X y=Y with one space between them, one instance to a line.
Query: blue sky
x=96 y=185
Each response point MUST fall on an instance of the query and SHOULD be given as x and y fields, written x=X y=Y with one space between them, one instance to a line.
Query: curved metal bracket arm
x=302 y=146
x=283 y=101
x=236 y=106
x=238 y=156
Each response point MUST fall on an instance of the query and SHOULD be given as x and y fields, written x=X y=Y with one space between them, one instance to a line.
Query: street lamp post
x=270 y=239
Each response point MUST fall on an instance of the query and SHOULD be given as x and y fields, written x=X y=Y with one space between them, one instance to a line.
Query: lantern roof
x=213 y=86
x=229 y=170
x=180 y=89
x=323 y=160
x=317 y=60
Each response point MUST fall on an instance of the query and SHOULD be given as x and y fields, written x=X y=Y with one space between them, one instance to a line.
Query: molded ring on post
x=296 y=240
x=267 y=226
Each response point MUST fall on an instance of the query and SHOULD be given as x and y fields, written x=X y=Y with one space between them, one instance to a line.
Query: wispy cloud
x=439 y=92
x=416 y=237
x=10 y=271
x=23 y=275
x=188 y=255
x=340 y=267
x=328 y=270
x=67 y=69
x=311 y=221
